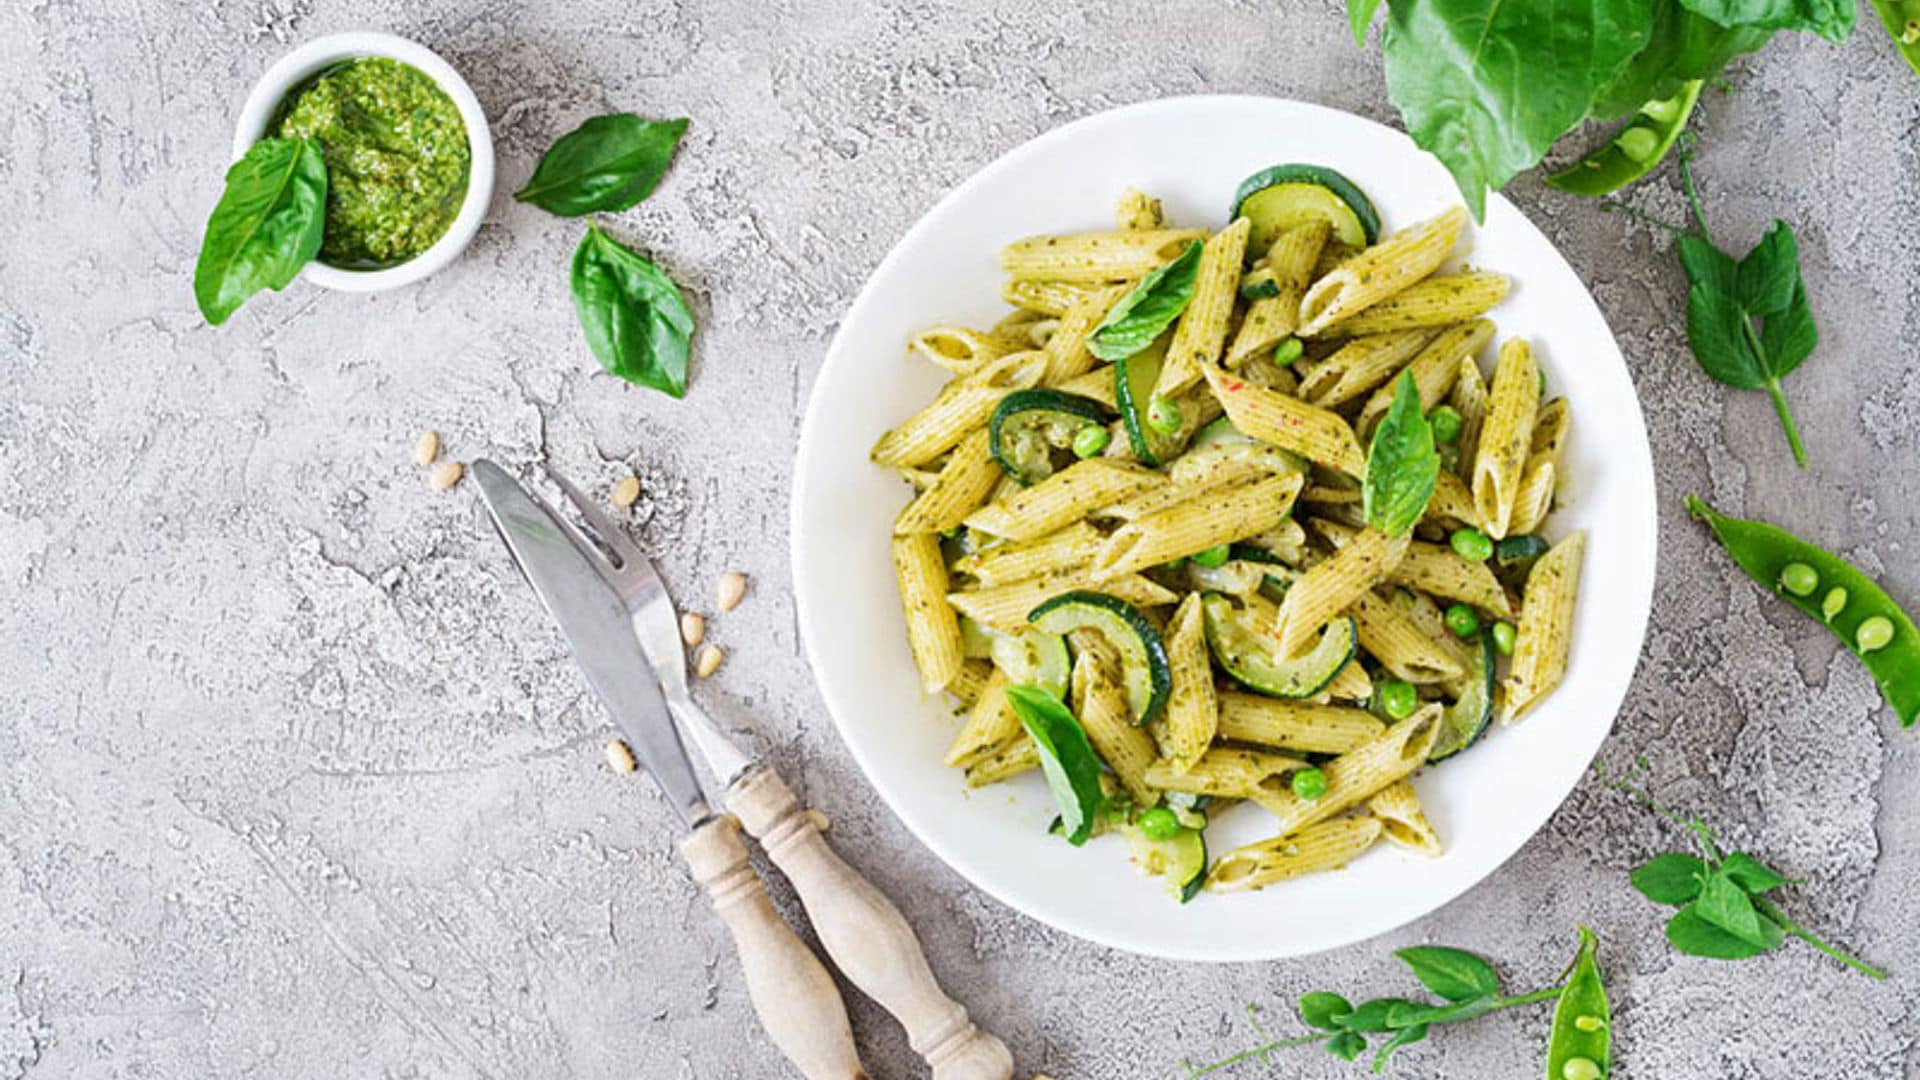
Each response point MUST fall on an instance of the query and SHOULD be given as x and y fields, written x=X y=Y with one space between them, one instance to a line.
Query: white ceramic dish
x=298 y=65
x=1192 y=152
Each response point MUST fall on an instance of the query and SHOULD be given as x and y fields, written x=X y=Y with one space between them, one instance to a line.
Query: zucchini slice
x=1463 y=722
x=1514 y=550
x=1259 y=285
x=1181 y=859
x=1145 y=671
x=1280 y=197
x=1218 y=432
x=1253 y=657
x=1029 y=425
x=1133 y=381
x=1028 y=657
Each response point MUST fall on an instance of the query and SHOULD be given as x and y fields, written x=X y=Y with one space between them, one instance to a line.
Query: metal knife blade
x=598 y=629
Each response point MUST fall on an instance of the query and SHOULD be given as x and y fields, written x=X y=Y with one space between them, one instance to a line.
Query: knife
x=861 y=929
x=797 y=1001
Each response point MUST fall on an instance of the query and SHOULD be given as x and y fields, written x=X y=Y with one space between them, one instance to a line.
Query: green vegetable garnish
x=267 y=225
x=1309 y=783
x=1504 y=635
x=1471 y=544
x=606 y=164
x=1398 y=699
x=1143 y=314
x=634 y=318
x=1402 y=466
x=1159 y=823
x=1066 y=757
x=1579 y=1047
x=1462 y=620
x=1447 y=423
x=1215 y=556
x=1091 y=440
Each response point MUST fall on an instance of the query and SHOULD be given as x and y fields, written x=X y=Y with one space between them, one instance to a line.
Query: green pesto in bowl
x=397 y=158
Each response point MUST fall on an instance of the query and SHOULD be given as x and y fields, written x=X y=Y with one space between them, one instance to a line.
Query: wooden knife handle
x=797 y=1001
x=865 y=934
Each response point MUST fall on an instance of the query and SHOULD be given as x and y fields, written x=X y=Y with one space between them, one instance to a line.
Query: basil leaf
x=1727 y=906
x=1831 y=19
x=1404 y=1037
x=266 y=226
x=608 y=163
x=634 y=318
x=1360 y=16
x=1692 y=934
x=1683 y=47
x=1454 y=974
x=1066 y=757
x=1318 y=1009
x=1751 y=874
x=1402 y=465
x=1144 y=313
x=1347 y=1045
x=1487 y=88
x=1672 y=878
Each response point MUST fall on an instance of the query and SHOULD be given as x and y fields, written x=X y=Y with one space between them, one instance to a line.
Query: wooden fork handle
x=798 y=1003
x=865 y=933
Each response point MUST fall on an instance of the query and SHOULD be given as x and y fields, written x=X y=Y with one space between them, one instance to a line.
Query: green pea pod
x=1582 y=1021
x=1633 y=153
x=1902 y=20
x=1765 y=552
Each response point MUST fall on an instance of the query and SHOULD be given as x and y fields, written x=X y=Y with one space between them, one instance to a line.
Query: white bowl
x=1192 y=152
x=303 y=62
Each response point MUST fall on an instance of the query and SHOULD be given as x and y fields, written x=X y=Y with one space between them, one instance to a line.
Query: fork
x=865 y=934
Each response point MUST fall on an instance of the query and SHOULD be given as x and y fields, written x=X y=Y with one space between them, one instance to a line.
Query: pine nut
x=626 y=491
x=708 y=661
x=820 y=820
x=732 y=588
x=445 y=475
x=621 y=757
x=427 y=449
x=693 y=628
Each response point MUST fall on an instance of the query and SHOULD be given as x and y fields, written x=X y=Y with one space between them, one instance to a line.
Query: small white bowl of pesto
x=408 y=153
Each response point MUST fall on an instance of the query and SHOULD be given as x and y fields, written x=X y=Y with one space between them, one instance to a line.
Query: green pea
x=1398 y=699
x=1504 y=636
x=1874 y=633
x=1163 y=415
x=1580 y=1069
x=1589 y=1024
x=1447 y=423
x=1471 y=544
x=1212 y=557
x=1462 y=621
x=1799 y=579
x=1309 y=783
x=1288 y=351
x=1833 y=603
x=1159 y=823
x=1089 y=441
x=1175 y=564
x=1638 y=143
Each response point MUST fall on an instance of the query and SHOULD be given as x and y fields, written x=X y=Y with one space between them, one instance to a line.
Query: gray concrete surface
x=294 y=781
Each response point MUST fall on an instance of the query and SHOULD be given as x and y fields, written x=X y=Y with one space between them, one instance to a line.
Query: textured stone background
x=294 y=781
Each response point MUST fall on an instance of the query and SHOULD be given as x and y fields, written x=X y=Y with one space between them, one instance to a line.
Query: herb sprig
x=1723 y=913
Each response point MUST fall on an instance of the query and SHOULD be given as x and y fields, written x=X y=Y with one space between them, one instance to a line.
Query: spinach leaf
x=266 y=226
x=1671 y=878
x=1066 y=757
x=1488 y=88
x=1682 y=47
x=1454 y=974
x=608 y=163
x=1144 y=313
x=1831 y=19
x=634 y=318
x=1402 y=465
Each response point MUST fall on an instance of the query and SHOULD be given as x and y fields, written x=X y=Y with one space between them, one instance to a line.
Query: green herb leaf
x=1319 y=1008
x=1751 y=874
x=1402 y=465
x=1672 y=878
x=1066 y=758
x=608 y=163
x=1831 y=19
x=1769 y=275
x=1146 y=312
x=1691 y=933
x=1488 y=88
x=1789 y=337
x=1582 y=1019
x=1412 y=1014
x=267 y=225
x=1372 y=1015
x=1682 y=47
x=1454 y=974
x=1359 y=17
x=1727 y=906
x=634 y=318
x=1404 y=1037
x=1347 y=1045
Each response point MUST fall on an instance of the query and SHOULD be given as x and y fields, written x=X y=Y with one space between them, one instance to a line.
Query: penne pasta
x=1299 y=726
x=1066 y=349
x=1395 y=640
x=1360 y=365
x=971 y=683
x=1327 y=846
x=1434 y=568
x=1095 y=257
x=1506 y=436
x=1229 y=772
x=1278 y=419
x=1402 y=821
x=1202 y=330
x=1004 y=762
x=1331 y=586
x=1469 y=399
x=1066 y=496
x=1434 y=371
x=1539 y=480
x=1440 y=300
x=1044 y=297
x=1187 y=528
x=1272 y=319
x=1101 y=706
x=933 y=631
x=1192 y=713
x=965 y=404
x=1546 y=628
x=1359 y=773
x=962 y=484
x=1066 y=550
x=958 y=349
x=1006 y=607
x=1380 y=271
x=990 y=724
x=1452 y=502
x=1351 y=683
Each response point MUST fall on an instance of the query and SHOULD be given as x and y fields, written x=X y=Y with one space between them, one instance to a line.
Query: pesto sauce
x=397 y=158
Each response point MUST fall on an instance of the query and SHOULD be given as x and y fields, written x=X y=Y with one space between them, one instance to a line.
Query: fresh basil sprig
x=1467 y=985
x=1723 y=913
x=1726 y=299
x=267 y=225
x=634 y=318
x=1146 y=312
x=1066 y=757
x=606 y=164
x=1402 y=464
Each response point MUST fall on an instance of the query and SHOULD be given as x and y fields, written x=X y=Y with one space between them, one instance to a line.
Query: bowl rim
x=287 y=72
x=1638 y=472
